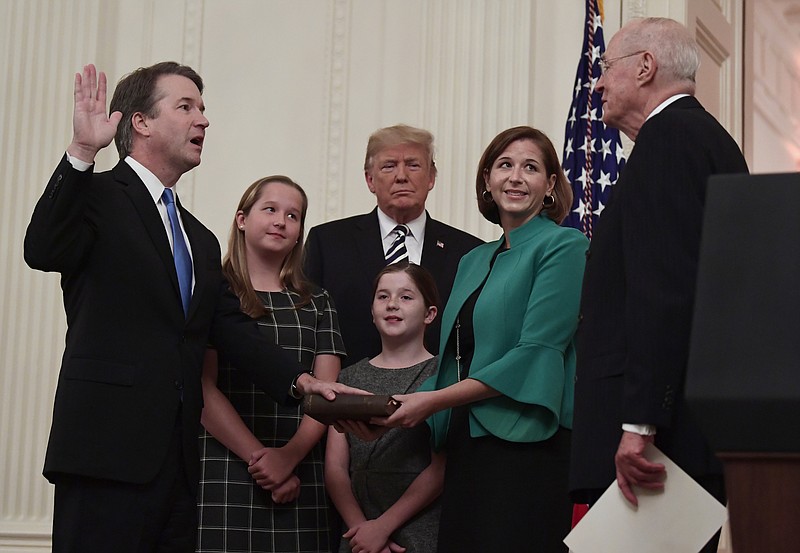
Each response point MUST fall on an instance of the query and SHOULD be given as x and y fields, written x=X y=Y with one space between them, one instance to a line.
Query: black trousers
x=94 y=515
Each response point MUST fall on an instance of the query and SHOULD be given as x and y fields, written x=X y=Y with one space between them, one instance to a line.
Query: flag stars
x=568 y=149
x=604 y=180
x=584 y=208
x=597 y=22
x=583 y=178
x=620 y=153
x=587 y=139
x=605 y=148
x=599 y=210
x=590 y=115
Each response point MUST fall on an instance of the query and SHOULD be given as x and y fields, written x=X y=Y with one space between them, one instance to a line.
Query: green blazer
x=525 y=319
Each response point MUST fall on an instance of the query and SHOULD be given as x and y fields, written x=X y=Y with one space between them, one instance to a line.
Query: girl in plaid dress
x=262 y=486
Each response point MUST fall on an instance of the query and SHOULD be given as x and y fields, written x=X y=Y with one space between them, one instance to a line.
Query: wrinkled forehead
x=622 y=40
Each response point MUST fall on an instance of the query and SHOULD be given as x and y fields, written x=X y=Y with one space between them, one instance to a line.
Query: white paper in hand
x=681 y=518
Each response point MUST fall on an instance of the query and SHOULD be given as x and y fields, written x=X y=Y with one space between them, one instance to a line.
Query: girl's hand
x=288 y=491
x=270 y=467
x=371 y=536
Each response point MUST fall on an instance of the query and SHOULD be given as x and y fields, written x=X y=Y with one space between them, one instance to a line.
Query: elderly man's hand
x=633 y=469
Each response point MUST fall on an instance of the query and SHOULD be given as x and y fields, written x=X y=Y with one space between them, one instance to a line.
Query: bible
x=348 y=407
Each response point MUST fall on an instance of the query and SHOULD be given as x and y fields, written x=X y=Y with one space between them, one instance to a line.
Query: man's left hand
x=633 y=468
x=307 y=384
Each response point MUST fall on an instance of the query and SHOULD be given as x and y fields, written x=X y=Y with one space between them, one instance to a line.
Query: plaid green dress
x=235 y=514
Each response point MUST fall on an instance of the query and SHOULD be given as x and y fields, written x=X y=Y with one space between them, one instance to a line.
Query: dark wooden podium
x=763 y=491
x=743 y=379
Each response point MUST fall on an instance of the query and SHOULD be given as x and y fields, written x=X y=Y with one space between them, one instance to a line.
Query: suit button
x=580 y=318
x=178 y=385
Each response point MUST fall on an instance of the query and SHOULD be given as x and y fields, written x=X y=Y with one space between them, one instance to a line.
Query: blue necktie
x=397 y=251
x=183 y=262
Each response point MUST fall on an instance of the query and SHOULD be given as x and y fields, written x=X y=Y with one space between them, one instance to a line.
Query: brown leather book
x=348 y=407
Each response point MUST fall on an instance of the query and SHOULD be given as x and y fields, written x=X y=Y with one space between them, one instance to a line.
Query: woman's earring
x=487 y=197
x=548 y=201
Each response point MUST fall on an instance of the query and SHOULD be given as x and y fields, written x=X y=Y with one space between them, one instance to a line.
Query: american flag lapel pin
x=439 y=244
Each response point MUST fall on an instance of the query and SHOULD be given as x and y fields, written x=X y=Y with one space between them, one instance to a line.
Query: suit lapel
x=368 y=244
x=151 y=220
x=434 y=248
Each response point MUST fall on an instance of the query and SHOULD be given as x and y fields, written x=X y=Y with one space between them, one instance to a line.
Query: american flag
x=593 y=154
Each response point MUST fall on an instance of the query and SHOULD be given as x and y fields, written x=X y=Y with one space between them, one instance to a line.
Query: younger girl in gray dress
x=386 y=490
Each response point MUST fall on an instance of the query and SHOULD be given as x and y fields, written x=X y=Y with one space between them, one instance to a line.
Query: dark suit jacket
x=132 y=360
x=638 y=295
x=344 y=256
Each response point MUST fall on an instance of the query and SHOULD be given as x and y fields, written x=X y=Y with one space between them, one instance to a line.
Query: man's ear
x=647 y=68
x=139 y=123
x=368 y=178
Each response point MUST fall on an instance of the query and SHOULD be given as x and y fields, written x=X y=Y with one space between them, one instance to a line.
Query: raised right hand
x=92 y=129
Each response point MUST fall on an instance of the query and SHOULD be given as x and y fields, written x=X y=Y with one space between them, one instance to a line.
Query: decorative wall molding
x=468 y=108
x=192 y=55
x=775 y=89
x=337 y=54
x=42 y=43
x=636 y=8
x=716 y=26
x=23 y=537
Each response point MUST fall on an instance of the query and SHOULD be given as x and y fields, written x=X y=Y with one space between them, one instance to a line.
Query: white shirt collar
x=151 y=182
x=660 y=107
x=416 y=227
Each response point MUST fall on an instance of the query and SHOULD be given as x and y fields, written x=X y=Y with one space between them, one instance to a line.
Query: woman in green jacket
x=500 y=405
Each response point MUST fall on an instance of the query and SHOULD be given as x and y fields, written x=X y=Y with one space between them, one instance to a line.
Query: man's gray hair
x=671 y=44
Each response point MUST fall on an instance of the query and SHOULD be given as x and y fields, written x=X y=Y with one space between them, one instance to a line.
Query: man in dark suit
x=123 y=449
x=639 y=284
x=344 y=256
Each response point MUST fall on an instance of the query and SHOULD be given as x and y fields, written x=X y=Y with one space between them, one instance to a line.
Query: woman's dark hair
x=562 y=191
